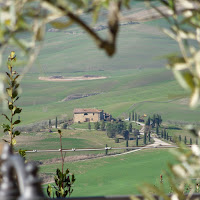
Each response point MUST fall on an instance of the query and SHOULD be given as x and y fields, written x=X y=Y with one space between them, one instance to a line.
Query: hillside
x=136 y=74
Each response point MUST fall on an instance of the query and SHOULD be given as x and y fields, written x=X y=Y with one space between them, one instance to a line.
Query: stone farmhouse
x=90 y=115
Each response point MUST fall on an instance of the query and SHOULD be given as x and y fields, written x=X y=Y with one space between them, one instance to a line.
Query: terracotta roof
x=87 y=110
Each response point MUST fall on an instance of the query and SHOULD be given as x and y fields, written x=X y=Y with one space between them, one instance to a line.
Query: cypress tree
x=157 y=130
x=179 y=138
x=167 y=136
x=136 y=141
x=129 y=117
x=50 y=123
x=190 y=141
x=145 y=138
x=196 y=141
x=126 y=144
x=133 y=116
x=136 y=117
x=56 y=125
x=185 y=141
x=149 y=136
x=162 y=134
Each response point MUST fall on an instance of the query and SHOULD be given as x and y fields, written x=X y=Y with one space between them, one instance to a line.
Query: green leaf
x=67 y=171
x=17 y=110
x=17 y=133
x=8 y=74
x=17 y=122
x=49 y=190
x=73 y=178
x=10 y=106
x=14 y=94
x=61 y=25
x=6 y=127
x=9 y=91
x=16 y=77
x=14 y=142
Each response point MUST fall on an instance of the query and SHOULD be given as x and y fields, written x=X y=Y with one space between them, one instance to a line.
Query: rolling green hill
x=136 y=74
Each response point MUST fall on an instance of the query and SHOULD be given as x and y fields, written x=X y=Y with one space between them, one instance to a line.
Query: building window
x=93 y=113
x=85 y=114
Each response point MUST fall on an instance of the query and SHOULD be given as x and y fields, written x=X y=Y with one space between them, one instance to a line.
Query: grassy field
x=121 y=175
x=70 y=139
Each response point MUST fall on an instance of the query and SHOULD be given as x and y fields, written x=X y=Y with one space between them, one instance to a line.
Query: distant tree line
x=154 y=121
x=133 y=116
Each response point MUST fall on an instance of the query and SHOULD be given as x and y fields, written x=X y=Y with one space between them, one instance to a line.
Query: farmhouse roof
x=86 y=110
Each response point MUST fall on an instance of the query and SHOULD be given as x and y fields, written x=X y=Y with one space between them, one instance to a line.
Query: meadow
x=120 y=175
x=133 y=82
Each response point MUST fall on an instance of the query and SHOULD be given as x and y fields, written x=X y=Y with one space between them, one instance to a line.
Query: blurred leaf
x=16 y=122
x=17 y=110
x=16 y=133
x=185 y=79
x=195 y=97
x=14 y=94
x=61 y=25
x=14 y=142
x=9 y=91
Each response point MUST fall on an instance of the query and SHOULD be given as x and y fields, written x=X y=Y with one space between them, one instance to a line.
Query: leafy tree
x=65 y=125
x=103 y=125
x=130 y=127
x=121 y=126
x=126 y=134
x=116 y=140
x=89 y=125
x=190 y=141
x=96 y=125
x=12 y=98
x=111 y=130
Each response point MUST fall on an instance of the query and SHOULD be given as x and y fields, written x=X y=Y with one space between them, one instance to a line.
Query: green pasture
x=78 y=139
x=135 y=74
x=121 y=175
